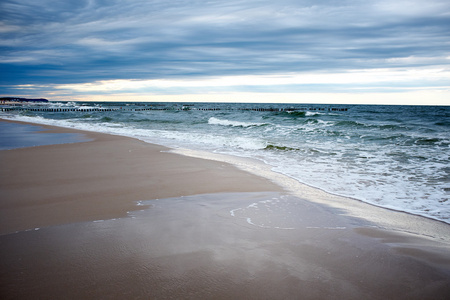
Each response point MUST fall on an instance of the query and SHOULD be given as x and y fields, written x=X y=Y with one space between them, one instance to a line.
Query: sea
x=397 y=157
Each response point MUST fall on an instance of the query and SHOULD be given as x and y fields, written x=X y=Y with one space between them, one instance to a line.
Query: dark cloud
x=82 y=41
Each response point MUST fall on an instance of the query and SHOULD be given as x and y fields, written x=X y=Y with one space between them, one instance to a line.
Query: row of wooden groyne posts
x=57 y=109
x=98 y=109
x=297 y=109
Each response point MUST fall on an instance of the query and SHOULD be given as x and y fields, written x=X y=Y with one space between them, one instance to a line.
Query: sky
x=346 y=51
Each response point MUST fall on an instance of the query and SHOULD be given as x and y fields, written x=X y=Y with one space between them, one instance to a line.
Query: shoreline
x=77 y=221
x=385 y=217
x=296 y=182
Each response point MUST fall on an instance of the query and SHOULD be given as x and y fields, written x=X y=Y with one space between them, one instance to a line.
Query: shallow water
x=13 y=136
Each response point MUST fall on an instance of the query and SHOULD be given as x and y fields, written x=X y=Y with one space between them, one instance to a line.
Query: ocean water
x=14 y=136
x=391 y=156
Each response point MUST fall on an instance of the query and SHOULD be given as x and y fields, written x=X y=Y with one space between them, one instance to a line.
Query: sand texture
x=103 y=179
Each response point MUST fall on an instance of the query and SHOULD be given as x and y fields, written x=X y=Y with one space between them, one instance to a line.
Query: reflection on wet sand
x=205 y=247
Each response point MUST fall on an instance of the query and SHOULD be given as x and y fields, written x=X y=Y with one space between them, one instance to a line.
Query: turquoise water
x=392 y=156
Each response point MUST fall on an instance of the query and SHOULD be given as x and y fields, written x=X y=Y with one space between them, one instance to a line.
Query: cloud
x=86 y=42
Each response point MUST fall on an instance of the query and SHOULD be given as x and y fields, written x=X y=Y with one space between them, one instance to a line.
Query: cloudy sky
x=346 y=51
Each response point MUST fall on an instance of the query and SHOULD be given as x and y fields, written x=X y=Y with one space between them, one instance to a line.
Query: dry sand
x=237 y=236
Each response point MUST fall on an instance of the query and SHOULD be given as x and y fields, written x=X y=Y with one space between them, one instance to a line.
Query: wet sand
x=215 y=232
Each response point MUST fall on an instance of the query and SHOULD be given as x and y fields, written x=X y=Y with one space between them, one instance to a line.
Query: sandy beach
x=71 y=228
x=103 y=179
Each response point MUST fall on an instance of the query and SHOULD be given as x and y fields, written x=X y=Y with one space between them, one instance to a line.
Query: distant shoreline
x=18 y=100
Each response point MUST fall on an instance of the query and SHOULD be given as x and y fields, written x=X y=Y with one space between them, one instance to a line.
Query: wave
x=430 y=141
x=222 y=122
x=106 y=119
x=155 y=121
x=383 y=127
x=442 y=123
x=290 y=113
x=350 y=124
x=312 y=114
x=296 y=113
x=280 y=148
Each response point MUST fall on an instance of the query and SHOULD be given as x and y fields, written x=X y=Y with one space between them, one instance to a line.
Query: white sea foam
x=216 y=121
x=312 y=113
